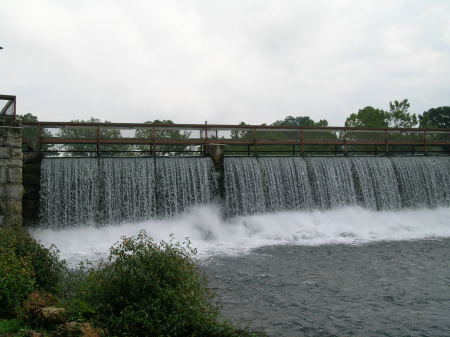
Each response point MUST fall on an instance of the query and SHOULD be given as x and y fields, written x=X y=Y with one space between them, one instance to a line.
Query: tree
x=89 y=132
x=368 y=117
x=172 y=134
x=27 y=118
x=240 y=133
x=308 y=135
x=436 y=118
x=293 y=135
x=398 y=115
x=30 y=133
x=300 y=121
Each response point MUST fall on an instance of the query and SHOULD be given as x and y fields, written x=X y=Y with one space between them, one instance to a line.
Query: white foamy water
x=211 y=234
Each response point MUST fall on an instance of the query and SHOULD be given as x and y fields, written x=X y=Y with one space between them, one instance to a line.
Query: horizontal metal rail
x=216 y=126
x=344 y=139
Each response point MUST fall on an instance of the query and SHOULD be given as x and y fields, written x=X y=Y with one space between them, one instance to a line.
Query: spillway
x=77 y=191
x=254 y=185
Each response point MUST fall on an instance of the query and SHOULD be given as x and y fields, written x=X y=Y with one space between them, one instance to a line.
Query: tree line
x=397 y=116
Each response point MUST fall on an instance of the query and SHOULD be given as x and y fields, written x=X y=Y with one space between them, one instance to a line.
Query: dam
x=103 y=173
x=300 y=231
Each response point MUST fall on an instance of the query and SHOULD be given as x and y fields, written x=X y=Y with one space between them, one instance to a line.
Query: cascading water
x=376 y=183
x=183 y=182
x=243 y=186
x=332 y=182
x=423 y=181
x=127 y=189
x=69 y=191
x=270 y=184
x=287 y=183
x=76 y=191
x=113 y=190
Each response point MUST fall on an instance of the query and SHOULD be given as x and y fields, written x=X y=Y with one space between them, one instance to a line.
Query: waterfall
x=183 y=182
x=243 y=186
x=287 y=183
x=270 y=184
x=69 y=191
x=376 y=183
x=423 y=181
x=78 y=191
x=331 y=181
x=128 y=191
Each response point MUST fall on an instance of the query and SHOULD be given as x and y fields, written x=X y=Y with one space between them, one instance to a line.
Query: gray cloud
x=224 y=62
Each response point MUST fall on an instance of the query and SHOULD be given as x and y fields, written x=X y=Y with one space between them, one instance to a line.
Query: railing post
x=302 y=150
x=425 y=142
x=97 y=131
x=39 y=138
x=205 y=146
x=255 y=151
x=345 y=141
x=386 y=145
x=154 y=141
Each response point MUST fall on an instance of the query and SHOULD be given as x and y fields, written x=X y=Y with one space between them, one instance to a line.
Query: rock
x=47 y=316
x=75 y=329
x=52 y=315
x=41 y=310
x=39 y=299
x=31 y=333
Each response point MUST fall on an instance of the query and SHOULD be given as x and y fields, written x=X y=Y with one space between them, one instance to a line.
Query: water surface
x=399 y=288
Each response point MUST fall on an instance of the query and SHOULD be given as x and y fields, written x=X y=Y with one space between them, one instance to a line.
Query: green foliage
x=436 y=118
x=282 y=135
x=27 y=118
x=31 y=133
x=398 y=115
x=164 y=134
x=9 y=326
x=367 y=117
x=88 y=132
x=16 y=279
x=370 y=117
x=150 y=289
x=79 y=310
x=45 y=263
x=300 y=121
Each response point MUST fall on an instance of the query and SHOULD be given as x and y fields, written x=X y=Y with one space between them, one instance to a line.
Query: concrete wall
x=11 y=189
x=32 y=184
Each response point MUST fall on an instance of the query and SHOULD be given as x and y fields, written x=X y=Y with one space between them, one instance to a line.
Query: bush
x=150 y=289
x=45 y=263
x=16 y=280
x=8 y=326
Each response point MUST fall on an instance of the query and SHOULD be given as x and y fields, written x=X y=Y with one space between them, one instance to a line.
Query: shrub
x=9 y=326
x=47 y=267
x=16 y=280
x=150 y=289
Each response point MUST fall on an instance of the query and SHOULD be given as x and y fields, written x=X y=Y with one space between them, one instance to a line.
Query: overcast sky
x=222 y=61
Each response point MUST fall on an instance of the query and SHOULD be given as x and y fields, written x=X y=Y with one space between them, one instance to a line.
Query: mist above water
x=211 y=234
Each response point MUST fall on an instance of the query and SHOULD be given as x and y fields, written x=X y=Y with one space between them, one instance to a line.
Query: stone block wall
x=11 y=189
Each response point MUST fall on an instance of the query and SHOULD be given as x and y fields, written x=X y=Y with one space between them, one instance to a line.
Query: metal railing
x=104 y=138
x=8 y=106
